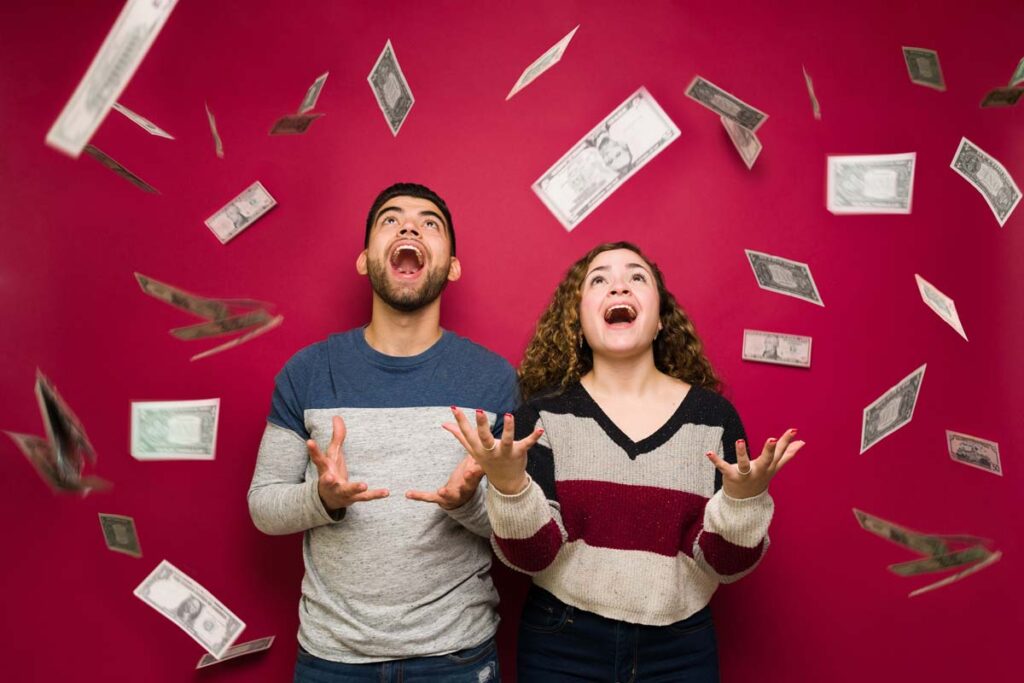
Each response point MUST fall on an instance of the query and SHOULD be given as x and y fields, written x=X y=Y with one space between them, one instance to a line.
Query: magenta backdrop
x=822 y=605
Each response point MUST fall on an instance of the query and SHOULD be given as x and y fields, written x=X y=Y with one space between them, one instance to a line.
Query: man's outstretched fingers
x=316 y=456
x=372 y=494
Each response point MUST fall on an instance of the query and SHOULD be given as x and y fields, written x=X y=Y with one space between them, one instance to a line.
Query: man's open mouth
x=620 y=314
x=406 y=259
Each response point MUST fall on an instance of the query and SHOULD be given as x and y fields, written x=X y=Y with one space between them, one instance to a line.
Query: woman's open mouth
x=620 y=315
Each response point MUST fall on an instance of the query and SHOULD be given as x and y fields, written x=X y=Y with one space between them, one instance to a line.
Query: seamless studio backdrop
x=822 y=606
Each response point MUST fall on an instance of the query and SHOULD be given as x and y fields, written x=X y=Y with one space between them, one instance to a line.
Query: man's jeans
x=475 y=665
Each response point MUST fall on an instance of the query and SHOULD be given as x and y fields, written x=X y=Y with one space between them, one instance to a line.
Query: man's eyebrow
x=398 y=209
x=435 y=214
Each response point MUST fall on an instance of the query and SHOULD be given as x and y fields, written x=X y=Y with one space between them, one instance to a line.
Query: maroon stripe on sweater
x=534 y=553
x=630 y=517
x=728 y=558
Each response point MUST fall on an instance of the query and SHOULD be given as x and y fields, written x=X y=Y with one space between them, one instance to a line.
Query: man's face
x=408 y=258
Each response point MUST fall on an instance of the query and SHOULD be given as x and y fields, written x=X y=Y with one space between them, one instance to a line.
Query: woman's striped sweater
x=635 y=531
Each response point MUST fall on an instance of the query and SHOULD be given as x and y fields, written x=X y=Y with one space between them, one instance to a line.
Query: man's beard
x=404 y=299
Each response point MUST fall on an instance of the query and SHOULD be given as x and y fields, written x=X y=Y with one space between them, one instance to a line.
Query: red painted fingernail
x=508 y=414
x=540 y=431
x=792 y=431
x=772 y=440
x=454 y=409
x=479 y=412
x=739 y=441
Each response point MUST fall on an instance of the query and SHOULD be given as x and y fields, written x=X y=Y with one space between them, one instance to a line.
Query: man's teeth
x=407 y=247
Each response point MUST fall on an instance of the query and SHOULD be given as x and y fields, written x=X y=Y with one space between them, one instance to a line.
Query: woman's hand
x=749 y=478
x=503 y=461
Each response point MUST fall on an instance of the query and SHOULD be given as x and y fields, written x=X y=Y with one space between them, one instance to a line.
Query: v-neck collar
x=649 y=443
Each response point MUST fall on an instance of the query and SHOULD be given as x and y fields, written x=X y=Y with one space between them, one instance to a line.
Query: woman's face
x=619 y=304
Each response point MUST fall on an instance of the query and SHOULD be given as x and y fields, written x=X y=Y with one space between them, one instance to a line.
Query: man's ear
x=454 y=269
x=361 y=263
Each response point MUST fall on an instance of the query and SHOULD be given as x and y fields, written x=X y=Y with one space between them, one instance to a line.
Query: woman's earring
x=581 y=340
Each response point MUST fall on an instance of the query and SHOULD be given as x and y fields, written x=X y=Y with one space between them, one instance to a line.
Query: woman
x=629 y=494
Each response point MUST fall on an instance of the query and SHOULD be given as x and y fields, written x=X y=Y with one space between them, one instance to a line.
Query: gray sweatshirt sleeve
x=473 y=513
x=282 y=498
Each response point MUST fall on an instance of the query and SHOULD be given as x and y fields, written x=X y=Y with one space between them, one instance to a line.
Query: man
x=394 y=589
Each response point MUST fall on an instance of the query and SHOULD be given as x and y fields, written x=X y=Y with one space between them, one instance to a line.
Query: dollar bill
x=217 y=328
x=941 y=304
x=293 y=124
x=102 y=157
x=71 y=446
x=891 y=410
x=1001 y=97
x=924 y=544
x=142 y=122
x=313 y=94
x=782 y=276
x=725 y=104
x=777 y=348
x=240 y=212
x=542 y=64
x=974 y=451
x=120 y=534
x=923 y=66
x=745 y=142
x=119 y=56
x=973 y=569
x=391 y=89
x=236 y=651
x=40 y=454
x=238 y=341
x=218 y=144
x=989 y=177
x=938 y=563
x=875 y=184
x=191 y=607
x=1018 y=75
x=628 y=138
x=815 y=107
x=174 y=430
x=203 y=307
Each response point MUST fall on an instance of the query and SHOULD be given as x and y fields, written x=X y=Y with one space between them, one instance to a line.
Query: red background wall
x=822 y=606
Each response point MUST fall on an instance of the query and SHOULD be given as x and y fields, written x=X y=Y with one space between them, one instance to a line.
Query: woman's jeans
x=559 y=643
x=474 y=665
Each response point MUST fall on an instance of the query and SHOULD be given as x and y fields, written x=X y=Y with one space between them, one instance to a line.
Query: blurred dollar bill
x=878 y=183
x=815 y=107
x=235 y=651
x=745 y=142
x=174 y=430
x=992 y=558
x=240 y=212
x=542 y=64
x=64 y=430
x=988 y=177
x=126 y=44
x=238 y=341
x=203 y=307
x=102 y=157
x=891 y=410
x=925 y=544
x=217 y=328
x=782 y=276
x=391 y=89
x=974 y=451
x=938 y=563
x=725 y=104
x=622 y=144
x=777 y=348
x=1001 y=97
x=175 y=595
x=40 y=454
x=1018 y=74
x=940 y=303
x=218 y=145
x=313 y=94
x=293 y=124
x=120 y=534
x=143 y=122
x=923 y=66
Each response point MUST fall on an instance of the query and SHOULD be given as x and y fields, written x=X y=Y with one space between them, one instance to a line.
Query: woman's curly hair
x=555 y=357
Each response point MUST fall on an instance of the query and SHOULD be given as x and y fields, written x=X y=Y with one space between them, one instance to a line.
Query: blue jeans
x=474 y=665
x=559 y=644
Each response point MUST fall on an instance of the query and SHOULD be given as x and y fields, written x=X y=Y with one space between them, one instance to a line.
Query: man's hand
x=461 y=486
x=335 y=490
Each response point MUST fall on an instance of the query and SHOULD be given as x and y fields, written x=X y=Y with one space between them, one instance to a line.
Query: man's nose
x=408 y=228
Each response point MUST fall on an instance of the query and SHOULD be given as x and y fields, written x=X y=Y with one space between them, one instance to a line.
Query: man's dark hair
x=409 y=190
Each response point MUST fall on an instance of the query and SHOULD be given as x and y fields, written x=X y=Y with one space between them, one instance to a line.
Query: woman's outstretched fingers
x=721 y=465
x=508 y=431
x=789 y=454
x=457 y=433
x=466 y=428
x=742 y=457
x=483 y=430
